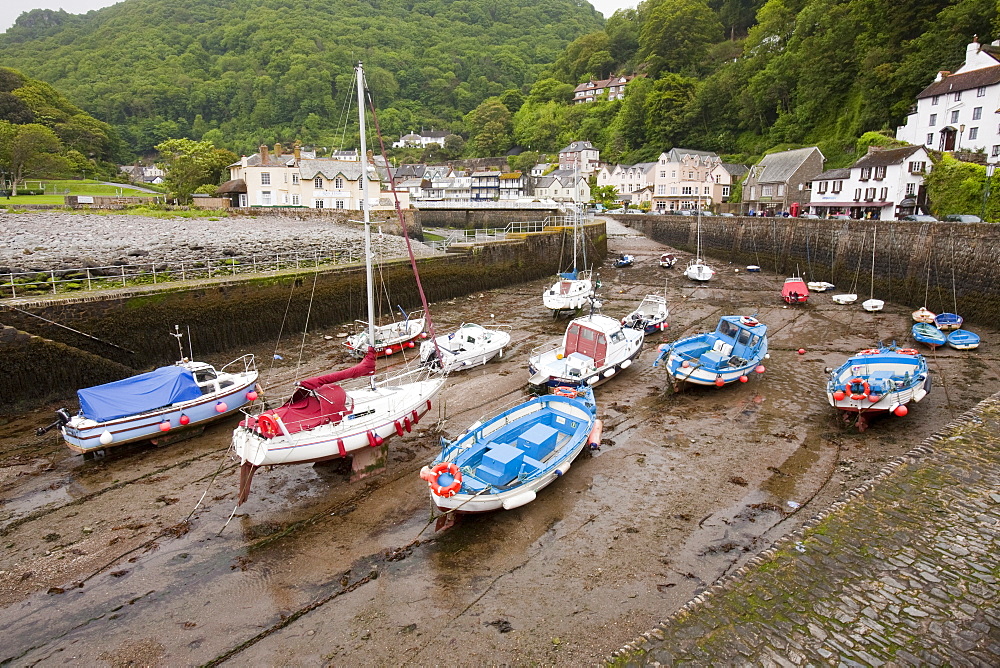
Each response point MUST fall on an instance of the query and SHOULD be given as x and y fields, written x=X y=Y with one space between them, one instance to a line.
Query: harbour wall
x=230 y=314
x=948 y=267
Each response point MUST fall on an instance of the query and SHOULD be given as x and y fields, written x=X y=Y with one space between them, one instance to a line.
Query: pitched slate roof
x=330 y=168
x=889 y=156
x=734 y=169
x=779 y=167
x=577 y=146
x=675 y=154
x=952 y=83
x=834 y=175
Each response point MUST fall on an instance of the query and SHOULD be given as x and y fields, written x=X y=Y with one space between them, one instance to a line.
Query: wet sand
x=103 y=565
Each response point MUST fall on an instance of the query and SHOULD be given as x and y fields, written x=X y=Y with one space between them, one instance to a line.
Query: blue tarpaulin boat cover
x=145 y=392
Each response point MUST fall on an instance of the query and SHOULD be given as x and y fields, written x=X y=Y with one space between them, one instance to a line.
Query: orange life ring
x=268 y=425
x=565 y=391
x=908 y=351
x=451 y=469
x=857 y=381
x=869 y=351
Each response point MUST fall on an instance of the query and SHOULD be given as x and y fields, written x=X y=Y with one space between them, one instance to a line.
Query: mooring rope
x=75 y=331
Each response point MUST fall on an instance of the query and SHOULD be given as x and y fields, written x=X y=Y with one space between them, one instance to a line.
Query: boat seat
x=538 y=441
x=500 y=464
x=473 y=485
x=530 y=467
x=712 y=358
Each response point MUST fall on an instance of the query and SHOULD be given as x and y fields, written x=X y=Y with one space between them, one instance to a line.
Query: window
x=973 y=133
x=821 y=189
x=981 y=91
x=930 y=138
x=866 y=173
x=837 y=187
x=295 y=179
x=767 y=191
x=933 y=121
x=781 y=189
x=996 y=150
x=673 y=174
x=725 y=191
x=295 y=200
x=911 y=189
x=753 y=193
x=977 y=113
x=954 y=116
x=265 y=178
x=883 y=194
x=661 y=190
x=673 y=190
x=857 y=194
x=339 y=204
x=338 y=183
x=935 y=99
x=319 y=204
x=265 y=198
x=663 y=173
x=686 y=190
x=318 y=182
x=869 y=194
x=706 y=191
x=957 y=95
x=879 y=172
x=917 y=167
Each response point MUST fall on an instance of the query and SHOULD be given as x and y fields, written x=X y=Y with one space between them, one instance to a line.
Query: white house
x=267 y=179
x=423 y=139
x=885 y=184
x=683 y=179
x=628 y=179
x=580 y=155
x=563 y=185
x=960 y=110
x=614 y=88
x=724 y=176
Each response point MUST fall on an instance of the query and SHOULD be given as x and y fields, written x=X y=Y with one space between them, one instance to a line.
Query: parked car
x=808 y=215
x=962 y=218
x=728 y=215
x=840 y=216
x=920 y=218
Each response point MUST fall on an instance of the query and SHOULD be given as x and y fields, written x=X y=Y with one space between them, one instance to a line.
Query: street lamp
x=961 y=131
x=986 y=192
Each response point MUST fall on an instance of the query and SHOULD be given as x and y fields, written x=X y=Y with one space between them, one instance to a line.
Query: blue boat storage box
x=500 y=464
x=538 y=441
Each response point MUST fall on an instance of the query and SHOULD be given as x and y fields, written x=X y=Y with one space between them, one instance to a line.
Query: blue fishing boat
x=928 y=334
x=963 y=339
x=736 y=348
x=504 y=460
x=625 y=261
x=879 y=380
x=948 y=321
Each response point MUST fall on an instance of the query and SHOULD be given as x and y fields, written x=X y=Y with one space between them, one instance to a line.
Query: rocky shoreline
x=43 y=241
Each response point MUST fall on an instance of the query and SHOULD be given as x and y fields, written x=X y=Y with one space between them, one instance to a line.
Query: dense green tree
x=677 y=34
x=30 y=150
x=190 y=164
x=489 y=128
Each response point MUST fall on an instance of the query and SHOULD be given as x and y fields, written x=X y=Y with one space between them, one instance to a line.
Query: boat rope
x=857 y=272
x=75 y=331
x=954 y=291
x=305 y=327
x=402 y=224
x=222 y=465
x=809 y=266
x=753 y=235
x=277 y=341
x=434 y=518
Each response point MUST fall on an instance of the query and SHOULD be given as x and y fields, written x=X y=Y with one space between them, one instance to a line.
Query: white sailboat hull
x=568 y=295
x=697 y=271
x=468 y=347
x=377 y=414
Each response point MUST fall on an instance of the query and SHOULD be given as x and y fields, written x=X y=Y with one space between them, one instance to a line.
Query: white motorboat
x=468 y=346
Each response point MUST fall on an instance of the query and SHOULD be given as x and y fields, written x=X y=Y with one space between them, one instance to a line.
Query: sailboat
x=328 y=418
x=871 y=304
x=574 y=289
x=391 y=338
x=697 y=270
x=468 y=346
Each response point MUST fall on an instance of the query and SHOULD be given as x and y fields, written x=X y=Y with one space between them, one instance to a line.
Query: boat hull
x=84 y=436
x=947 y=322
x=734 y=350
x=962 y=339
x=575 y=296
x=549 y=367
x=887 y=379
x=377 y=414
x=390 y=339
x=578 y=426
x=928 y=334
x=697 y=271
x=451 y=355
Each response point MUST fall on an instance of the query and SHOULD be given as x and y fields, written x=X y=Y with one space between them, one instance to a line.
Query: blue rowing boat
x=963 y=339
x=737 y=347
x=928 y=334
x=948 y=321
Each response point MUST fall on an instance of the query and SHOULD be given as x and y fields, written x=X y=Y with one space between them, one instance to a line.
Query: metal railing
x=499 y=234
x=56 y=281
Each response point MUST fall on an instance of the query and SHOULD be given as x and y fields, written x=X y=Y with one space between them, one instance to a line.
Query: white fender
x=519 y=500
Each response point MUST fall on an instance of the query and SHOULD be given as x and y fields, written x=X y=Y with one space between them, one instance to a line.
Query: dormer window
x=318 y=181
x=338 y=183
x=866 y=173
x=879 y=172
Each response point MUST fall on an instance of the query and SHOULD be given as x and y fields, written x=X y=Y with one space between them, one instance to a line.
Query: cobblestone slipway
x=902 y=572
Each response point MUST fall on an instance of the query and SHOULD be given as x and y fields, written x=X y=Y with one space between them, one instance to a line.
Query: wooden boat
x=651 y=315
x=468 y=346
x=878 y=380
x=963 y=339
x=928 y=334
x=737 y=347
x=594 y=348
x=923 y=315
x=794 y=291
x=347 y=412
x=948 y=321
x=163 y=405
x=668 y=260
x=819 y=286
x=502 y=462
x=625 y=261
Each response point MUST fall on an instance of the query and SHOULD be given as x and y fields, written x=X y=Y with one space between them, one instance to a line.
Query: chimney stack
x=297 y=150
x=264 y=156
x=277 y=150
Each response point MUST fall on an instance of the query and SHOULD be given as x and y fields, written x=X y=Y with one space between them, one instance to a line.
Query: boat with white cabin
x=735 y=349
x=650 y=316
x=878 y=381
x=469 y=346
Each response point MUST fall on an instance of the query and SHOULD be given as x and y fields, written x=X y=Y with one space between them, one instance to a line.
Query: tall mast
x=366 y=216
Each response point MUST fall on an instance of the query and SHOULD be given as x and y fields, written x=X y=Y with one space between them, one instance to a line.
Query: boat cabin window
x=727 y=328
x=744 y=337
x=754 y=341
x=587 y=334
x=204 y=376
x=615 y=336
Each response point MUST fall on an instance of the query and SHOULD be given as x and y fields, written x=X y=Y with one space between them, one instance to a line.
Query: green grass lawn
x=55 y=191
